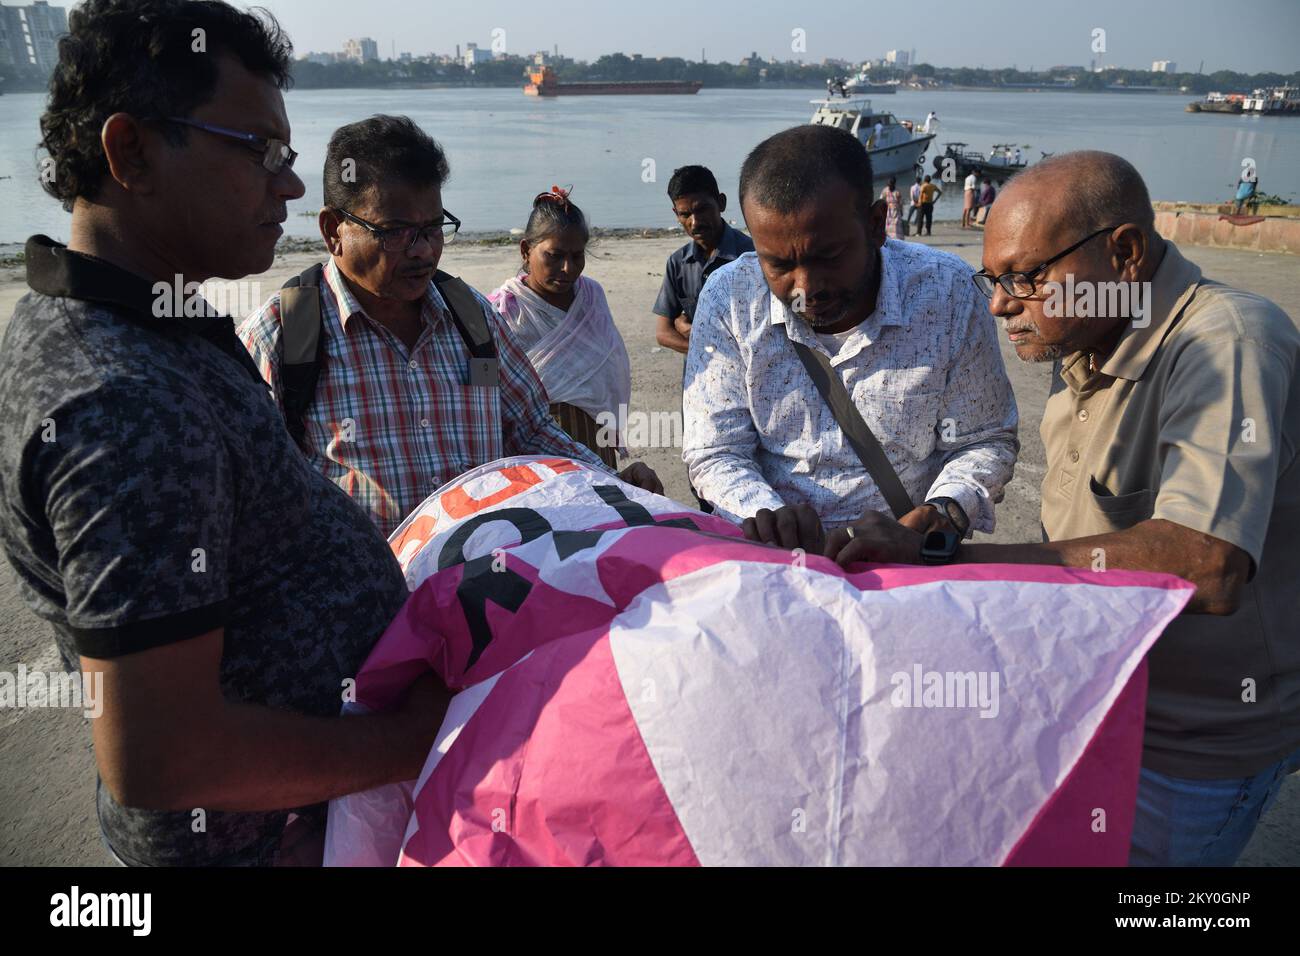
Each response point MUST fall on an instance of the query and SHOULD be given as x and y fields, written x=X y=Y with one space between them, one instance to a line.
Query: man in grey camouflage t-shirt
x=152 y=503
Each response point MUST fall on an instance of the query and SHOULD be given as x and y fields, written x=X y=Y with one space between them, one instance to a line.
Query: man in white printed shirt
x=912 y=341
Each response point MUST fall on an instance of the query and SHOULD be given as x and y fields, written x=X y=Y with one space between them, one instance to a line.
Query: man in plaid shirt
x=394 y=414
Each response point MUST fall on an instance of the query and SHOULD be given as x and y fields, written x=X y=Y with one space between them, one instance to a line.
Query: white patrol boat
x=896 y=148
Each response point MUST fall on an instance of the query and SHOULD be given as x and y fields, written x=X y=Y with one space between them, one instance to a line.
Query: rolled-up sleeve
x=720 y=439
x=1220 y=439
x=669 y=302
x=978 y=421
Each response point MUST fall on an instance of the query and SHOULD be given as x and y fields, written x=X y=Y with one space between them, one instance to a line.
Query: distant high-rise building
x=361 y=50
x=897 y=58
x=1164 y=66
x=29 y=36
x=474 y=56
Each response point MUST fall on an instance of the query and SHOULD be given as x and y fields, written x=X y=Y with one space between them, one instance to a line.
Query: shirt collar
x=347 y=303
x=1171 y=289
x=56 y=271
x=349 y=306
x=888 y=311
x=727 y=250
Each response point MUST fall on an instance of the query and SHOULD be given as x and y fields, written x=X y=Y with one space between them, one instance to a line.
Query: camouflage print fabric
x=150 y=493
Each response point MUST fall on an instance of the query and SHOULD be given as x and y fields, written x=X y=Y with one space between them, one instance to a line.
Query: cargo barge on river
x=544 y=82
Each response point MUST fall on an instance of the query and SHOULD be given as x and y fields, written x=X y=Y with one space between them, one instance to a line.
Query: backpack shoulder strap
x=467 y=313
x=302 y=347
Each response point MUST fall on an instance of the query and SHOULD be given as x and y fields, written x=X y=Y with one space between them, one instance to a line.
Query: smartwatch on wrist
x=953 y=512
x=939 y=547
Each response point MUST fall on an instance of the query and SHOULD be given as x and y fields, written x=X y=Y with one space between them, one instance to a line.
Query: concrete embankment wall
x=1211 y=228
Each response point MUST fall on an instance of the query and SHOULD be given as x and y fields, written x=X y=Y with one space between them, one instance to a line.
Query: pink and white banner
x=639 y=685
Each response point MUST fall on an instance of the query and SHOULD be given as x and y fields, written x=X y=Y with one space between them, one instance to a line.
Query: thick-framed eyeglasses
x=1023 y=285
x=401 y=238
x=276 y=153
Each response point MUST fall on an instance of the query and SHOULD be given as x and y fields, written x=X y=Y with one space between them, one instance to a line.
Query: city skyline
x=1133 y=38
x=1192 y=35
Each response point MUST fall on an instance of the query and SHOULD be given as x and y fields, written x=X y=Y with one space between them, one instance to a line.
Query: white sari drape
x=578 y=354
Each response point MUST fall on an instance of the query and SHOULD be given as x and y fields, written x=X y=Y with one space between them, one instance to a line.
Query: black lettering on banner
x=480 y=583
x=635 y=515
x=508 y=589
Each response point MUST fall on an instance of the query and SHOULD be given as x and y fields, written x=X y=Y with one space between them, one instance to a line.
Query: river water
x=618 y=152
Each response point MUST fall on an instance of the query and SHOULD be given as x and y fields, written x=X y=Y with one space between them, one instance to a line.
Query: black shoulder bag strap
x=302 y=348
x=855 y=428
x=467 y=314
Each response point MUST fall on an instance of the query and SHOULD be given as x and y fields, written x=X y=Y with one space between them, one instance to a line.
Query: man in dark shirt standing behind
x=698 y=206
x=153 y=505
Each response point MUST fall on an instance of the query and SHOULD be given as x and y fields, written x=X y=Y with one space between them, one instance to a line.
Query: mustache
x=1023 y=327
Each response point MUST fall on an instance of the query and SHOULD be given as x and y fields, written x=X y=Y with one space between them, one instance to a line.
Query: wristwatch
x=953 y=512
x=940 y=547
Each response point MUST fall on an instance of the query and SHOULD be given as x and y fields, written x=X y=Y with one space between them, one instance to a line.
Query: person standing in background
x=930 y=193
x=698 y=206
x=893 y=208
x=1246 y=190
x=914 y=208
x=987 y=195
x=561 y=319
x=968 y=200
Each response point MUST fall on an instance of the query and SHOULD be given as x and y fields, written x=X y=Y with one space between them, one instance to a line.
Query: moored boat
x=1273 y=101
x=860 y=85
x=1003 y=161
x=1217 y=103
x=895 y=147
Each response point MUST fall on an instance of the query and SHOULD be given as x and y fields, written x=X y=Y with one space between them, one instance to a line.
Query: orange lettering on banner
x=417 y=533
x=559 y=465
x=458 y=504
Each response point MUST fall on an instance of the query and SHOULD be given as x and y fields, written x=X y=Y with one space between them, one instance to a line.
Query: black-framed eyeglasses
x=1023 y=285
x=401 y=238
x=276 y=153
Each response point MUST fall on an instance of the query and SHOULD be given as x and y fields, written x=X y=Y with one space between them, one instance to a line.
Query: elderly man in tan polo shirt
x=1171 y=433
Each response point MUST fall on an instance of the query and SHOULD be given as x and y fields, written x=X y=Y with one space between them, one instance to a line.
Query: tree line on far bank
x=513 y=71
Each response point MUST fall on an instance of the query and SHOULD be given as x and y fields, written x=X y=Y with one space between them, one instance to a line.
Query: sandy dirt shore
x=47 y=811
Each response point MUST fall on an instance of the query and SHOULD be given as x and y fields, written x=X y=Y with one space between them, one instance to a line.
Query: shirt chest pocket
x=1116 y=512
x=902 y=409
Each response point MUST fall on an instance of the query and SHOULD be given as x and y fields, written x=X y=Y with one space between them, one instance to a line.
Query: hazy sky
x=1248 y=36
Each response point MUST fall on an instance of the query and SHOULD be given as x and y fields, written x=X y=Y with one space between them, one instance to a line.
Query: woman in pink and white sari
x=562 y=320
